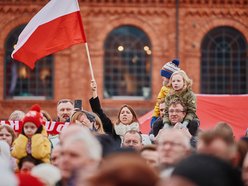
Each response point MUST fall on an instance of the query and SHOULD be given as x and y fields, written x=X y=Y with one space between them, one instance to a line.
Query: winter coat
x=117 y=131
x=188 y=98
x=108 y=126
x=162 y=94
x=40 y=147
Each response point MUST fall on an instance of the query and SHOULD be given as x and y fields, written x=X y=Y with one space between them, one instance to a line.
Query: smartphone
x=78 y=104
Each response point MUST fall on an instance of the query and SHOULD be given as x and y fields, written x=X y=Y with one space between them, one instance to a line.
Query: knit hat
x=170 y=67
x=47 y=172
x=28 y=179
x=33 y=116
x=205 y=170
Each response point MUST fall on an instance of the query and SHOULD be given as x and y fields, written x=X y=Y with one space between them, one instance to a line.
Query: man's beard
x=64 y=117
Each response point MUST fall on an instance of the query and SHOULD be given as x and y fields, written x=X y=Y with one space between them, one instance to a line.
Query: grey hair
x=17 y=115
x=93 y=146
x=132 y=131
x=185 y=139
x=6 y=175
x=4 y=150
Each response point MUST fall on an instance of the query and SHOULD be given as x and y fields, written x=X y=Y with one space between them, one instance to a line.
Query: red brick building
x=129 y=42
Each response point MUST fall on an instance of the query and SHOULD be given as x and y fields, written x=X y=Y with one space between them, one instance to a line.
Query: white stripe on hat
x=170 y=67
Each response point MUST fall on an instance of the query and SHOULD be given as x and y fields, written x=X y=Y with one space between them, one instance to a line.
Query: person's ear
x=184 y=113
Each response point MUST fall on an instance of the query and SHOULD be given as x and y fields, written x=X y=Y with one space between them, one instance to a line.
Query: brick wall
x=156 y=18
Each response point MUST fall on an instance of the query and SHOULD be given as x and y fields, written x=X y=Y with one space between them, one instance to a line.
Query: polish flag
x=56 y=26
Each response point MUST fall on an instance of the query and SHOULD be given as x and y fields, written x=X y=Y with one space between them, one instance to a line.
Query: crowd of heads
x=95 y=151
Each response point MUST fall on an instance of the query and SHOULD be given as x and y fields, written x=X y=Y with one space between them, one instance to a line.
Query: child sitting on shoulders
x=180 y=85
x=166 y=73
x=33 y=139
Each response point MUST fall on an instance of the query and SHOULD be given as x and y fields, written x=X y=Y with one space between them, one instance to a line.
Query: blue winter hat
x=170 y=67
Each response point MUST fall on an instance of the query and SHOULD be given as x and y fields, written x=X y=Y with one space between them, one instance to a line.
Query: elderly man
x=172 y=146
x=177 y=112
x=64 y=110
x=133 y=139
x=81 y=152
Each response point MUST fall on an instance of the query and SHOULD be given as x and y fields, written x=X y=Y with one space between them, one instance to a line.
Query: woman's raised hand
x=93 y=86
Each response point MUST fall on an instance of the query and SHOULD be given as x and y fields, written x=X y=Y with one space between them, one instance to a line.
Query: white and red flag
x=56 y=26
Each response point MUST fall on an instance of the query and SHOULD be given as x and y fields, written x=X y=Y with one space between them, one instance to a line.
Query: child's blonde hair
x=186 y=81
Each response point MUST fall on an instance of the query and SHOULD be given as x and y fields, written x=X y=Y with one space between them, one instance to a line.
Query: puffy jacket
x=40 y=147
x=162 y=94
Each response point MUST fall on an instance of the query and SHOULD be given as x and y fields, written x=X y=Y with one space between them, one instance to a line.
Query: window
x=224 y=62
x=20 y=82
x=127 y=63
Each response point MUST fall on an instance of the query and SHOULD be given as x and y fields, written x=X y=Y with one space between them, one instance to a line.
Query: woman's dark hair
x=135 y=118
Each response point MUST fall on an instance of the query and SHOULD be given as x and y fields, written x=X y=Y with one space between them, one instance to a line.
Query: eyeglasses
x=65 y=101
x=177 y=111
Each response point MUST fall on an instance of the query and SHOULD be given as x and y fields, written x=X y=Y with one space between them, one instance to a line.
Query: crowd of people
x=94 y=150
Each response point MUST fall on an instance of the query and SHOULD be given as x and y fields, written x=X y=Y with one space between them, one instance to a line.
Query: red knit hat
x=28 y=180
x=33 y=116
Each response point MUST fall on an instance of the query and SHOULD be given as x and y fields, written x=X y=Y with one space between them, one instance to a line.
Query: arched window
x=127 y=63
x=20 y=82
x=224 y=65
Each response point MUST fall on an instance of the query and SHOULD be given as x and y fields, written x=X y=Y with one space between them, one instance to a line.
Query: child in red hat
x=33 y=139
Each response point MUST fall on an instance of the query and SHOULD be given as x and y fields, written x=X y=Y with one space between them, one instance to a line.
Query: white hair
x=163 y=133
x=93 y=146
x=47 y=172
x=5 y=150
x=7 y=177
x=17 y=115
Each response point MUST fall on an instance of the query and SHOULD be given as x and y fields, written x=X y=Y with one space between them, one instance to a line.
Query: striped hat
x=170 y=67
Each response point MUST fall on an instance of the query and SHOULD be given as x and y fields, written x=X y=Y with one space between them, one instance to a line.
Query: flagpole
x=86 y=44
x=89 y=61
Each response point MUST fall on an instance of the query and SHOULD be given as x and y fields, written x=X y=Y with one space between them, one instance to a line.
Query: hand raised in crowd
x=93 y=86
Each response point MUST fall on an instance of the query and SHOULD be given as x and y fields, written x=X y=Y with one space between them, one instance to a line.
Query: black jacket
x=108 y=126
